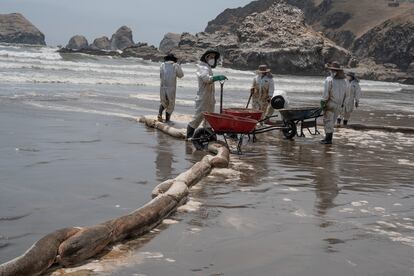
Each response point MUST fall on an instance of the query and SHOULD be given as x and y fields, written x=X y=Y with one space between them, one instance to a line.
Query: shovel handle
x=221 y=96
x=248 y=102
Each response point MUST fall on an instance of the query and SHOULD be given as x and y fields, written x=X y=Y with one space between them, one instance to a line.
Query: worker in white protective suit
x=333 y=99
x=262 y=91
x=353 y=95
x=169 y=72
x=205 y=99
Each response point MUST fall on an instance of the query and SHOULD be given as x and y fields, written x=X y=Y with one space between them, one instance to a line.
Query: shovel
x=248 y=102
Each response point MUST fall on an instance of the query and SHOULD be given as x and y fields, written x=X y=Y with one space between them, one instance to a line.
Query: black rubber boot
x=190 y=132
x=160 y=113
x=345 y=122
x=328 y=139
x=167 y=117
x=338 y=121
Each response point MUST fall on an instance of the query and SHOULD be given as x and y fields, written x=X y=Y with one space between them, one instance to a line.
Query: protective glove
x=356 y=104
x=219 y=78
x=324 y=104
x=252 y=91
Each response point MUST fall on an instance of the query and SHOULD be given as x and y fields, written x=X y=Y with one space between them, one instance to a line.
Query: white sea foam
x=42 y=53
x=84 y=110
x=190 y=206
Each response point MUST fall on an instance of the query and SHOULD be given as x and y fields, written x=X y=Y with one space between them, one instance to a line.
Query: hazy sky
x=148 y=19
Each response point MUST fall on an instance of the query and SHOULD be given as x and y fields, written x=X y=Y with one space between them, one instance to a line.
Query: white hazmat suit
x=169 y=72
x=334 y=95
x=263 y=89
x=353 y=95
x=205 y=99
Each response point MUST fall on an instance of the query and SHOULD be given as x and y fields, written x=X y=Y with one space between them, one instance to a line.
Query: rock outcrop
x=78 y=42
x=101 y=43
x=368 y=69
x=122 y=39
x=144 y=51
x=169 y=42
x=15 y=28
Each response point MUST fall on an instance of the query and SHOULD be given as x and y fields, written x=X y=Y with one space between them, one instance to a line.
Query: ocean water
x=72 y=154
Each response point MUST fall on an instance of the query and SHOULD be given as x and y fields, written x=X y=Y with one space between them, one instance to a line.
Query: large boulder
x=15 y=28
x=277 y=36
x=78 y=42
x=169 y=42
x=101 y=43
x=229 y=19
x=280 y=37
x=122 y=39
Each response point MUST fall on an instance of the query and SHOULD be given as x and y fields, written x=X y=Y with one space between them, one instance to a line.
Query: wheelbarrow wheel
x=202 y=137
x=290 y=130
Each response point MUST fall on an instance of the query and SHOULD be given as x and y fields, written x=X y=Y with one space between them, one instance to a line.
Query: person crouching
x=169 y=72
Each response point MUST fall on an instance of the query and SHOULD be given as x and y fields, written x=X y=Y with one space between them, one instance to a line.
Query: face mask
x=211 y=62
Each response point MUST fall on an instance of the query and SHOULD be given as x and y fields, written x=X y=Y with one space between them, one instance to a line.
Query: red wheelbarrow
x=238 y=122
x=233 y=126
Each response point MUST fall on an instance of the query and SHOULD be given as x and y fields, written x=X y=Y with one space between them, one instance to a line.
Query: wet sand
x=290 y=208
x=71 y=153
x=62 y=169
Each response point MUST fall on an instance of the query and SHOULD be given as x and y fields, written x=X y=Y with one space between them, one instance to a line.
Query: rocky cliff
x=276 y=35
x=372 y=31
x=14 y=28
x=389 y=42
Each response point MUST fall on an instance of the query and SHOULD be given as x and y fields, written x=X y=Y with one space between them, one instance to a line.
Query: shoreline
x=367 y=71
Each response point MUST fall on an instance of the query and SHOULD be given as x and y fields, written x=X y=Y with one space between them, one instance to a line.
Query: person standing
x=205 y=99
x=169 y=72
x=262 y=90
x=353 y=95
x=333 y=99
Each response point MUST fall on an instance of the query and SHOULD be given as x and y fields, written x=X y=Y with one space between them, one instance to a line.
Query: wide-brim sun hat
x=209 y=52
x=263 y=69
x=336 y=66
x=351 y=74
x=170 y=57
